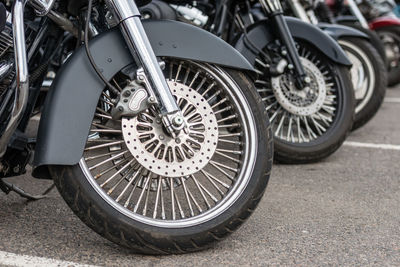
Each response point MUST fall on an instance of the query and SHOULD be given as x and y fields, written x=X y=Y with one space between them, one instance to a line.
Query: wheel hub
x=301 y=102
x=183 y=155
x=392 y=50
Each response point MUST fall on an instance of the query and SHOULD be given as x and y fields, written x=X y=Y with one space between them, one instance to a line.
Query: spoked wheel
x=142 y=188
x=390 y=37
x=308 y=124
x=368 y=75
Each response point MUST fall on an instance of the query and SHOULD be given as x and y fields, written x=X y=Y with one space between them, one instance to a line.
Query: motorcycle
x=368 y=72
x=153 y=131
x=303 y=73
x=372 y=15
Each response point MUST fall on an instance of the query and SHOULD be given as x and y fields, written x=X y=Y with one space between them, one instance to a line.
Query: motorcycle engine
x=6 y=55
x=190 y=14
x=186 y=13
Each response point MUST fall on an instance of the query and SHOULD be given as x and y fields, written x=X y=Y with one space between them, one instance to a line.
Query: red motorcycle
x=376 y=15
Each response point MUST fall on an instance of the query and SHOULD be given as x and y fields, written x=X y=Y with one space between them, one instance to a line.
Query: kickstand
x=8 y=187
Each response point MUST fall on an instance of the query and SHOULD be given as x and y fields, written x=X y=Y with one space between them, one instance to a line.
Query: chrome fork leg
x=22 y=76
x=357 y=13
x=129 y=18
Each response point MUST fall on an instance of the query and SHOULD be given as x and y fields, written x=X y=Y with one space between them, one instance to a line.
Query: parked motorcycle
x=368 y=72
x=303 y=73
x=373 y=16
x=153 y=132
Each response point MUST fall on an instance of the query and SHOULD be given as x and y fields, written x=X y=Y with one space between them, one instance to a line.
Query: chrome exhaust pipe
x=22 y=74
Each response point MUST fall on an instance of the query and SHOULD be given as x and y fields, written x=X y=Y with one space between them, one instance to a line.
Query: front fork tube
x=357 y=13
x=135 y=36
x=284 y=33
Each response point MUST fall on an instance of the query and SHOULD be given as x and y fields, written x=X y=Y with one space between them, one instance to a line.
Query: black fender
x=346 y=19
x=261 y=33
x=73 y=96
x=337 y=31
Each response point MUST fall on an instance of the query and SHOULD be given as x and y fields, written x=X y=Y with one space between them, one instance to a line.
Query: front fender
x=260 y=34
x=337 y=31
x=383 y=22
x=346 y=19
x=72 y=99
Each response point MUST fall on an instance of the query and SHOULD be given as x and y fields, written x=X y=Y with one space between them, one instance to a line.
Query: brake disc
x=301 y=102
x=186 y=154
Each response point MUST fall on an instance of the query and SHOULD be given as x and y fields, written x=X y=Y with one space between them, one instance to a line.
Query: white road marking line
x=11 y=259
x=370 y=145
x=392 y=100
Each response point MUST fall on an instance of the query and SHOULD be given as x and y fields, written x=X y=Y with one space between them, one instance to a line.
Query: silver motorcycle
x=153 y=132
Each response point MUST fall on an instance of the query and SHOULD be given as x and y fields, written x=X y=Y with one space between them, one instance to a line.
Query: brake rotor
x=164 y=155
x=301 y=102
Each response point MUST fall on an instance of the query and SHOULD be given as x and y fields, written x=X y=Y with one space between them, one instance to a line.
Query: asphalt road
x=342 y=211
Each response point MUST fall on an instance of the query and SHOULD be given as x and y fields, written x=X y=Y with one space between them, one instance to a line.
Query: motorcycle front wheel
x=312 y=123
x=368 y=75
x=390 y=36
x=141 y=188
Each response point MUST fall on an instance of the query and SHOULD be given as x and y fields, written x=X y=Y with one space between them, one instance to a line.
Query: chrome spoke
x=230 y=151
x=227 y=157
x=209 y=88
x=201 y=191
x=105 y=131
x=178 y=72
x=229 y=142
x=187 y=196
x=134 y=178
x=223 y=166
x=181 y=213
x=300 y=134
x=278 y=130
x=310 y=132
x=209 y=175
x=222 y=171
x=116 y=166
x=230 y=135
x=147 y=200
x=117 y=173
x=112 y=143
x=103 y=116
x=148 y=178
x=171 y=185
x=289 y=132
x=117 y=85
x=108 y=160
x=319 y=127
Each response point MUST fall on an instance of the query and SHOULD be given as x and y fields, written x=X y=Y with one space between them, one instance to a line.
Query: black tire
x=369 y=103
x=117 y=227
x=308 y=150
x=393 y=71
x=332 y=140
